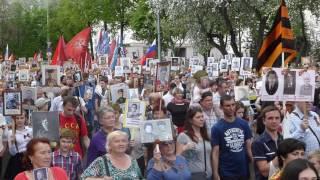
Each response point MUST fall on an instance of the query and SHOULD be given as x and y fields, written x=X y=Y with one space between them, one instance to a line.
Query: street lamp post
x=156 y=5
x=159 y=35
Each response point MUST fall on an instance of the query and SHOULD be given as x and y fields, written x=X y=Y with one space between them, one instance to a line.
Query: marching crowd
x=214 y=136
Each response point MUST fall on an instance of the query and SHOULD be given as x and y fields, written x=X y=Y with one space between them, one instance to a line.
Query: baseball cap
x=41 y=102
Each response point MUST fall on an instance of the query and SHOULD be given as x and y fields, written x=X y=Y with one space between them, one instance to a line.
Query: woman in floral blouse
x=116 y=164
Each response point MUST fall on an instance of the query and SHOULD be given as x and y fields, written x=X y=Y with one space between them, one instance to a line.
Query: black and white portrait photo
x=223 y=65
x=40 y=174
x=119 y=93
x=133 y=93
x=134 y=110
x=175 y=61
x=272 y=82
x=306 y=88
x=23 y=75
x=126 y=64
x=11 y=76
x=46 y=124
x=134 y=113
x=152 y=130
x=29 y=95
x=12 y=103
x=137 y=69
x=209 y=71
x=215 y=69
x=246 y=66
x=118 y=71
x=194 y=61
x=77 y=76
x=103 y=60
x=235 y=64
x=289 y=83
x=210 y=61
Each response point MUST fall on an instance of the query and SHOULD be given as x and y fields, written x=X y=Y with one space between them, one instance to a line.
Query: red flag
x=59 y=55
x=111 y=51
x=35 y=57
x=78 y=46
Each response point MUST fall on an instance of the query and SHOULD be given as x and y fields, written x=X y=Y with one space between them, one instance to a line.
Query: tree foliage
x=223 y=24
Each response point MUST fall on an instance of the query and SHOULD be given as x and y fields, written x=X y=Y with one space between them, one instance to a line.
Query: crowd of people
x=214 y=136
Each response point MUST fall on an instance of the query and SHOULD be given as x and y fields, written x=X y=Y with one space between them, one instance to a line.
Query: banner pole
x=282 y=65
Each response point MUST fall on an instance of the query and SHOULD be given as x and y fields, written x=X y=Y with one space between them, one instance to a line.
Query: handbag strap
x=106 y=165
x=296 y=114
x=205 y=157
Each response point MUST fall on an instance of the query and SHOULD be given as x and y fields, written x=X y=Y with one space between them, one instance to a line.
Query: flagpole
x=91 y=42
x=282 y=65
x=158 y=31
x=282 y=59
x=49 y=53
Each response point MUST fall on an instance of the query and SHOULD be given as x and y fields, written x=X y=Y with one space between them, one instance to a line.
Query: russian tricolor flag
x=151 y=53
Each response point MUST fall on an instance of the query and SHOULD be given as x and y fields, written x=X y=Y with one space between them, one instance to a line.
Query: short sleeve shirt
x=71 y=123
x=264 y=148
x=231 y=139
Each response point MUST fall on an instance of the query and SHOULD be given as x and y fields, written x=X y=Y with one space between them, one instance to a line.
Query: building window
x=195 y=52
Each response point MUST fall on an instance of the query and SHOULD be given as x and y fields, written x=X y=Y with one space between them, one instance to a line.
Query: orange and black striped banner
x=279 y=39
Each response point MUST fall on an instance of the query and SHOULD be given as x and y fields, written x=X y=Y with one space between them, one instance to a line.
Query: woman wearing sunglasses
x=166 y=165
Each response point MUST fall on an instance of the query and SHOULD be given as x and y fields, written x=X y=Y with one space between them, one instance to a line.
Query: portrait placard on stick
x=235 y=65
x=246 y=66
x=119 y=93
x=210 y=61
x=46 y=124
x=29 y=95
x=126 y=64
x=50 y=75
x=136 y=69
x=23 y=75
x=194 y=61
x=289 y=85
x=175 y=63
x=223 y=66
x=209 y=71
x=103 y=60
x=118 y=71
x=160 y=129
x=241 y=93
x=162 y=76
x=134 y=113
x=12 y=103
x=195 y=68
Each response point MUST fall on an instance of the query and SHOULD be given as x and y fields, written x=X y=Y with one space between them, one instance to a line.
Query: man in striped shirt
x=65 y=157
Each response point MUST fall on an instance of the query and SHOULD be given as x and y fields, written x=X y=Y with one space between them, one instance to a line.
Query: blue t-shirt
x=180 y=170
x=231 y=139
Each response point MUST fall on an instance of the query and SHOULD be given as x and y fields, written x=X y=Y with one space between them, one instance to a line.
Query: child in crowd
x=65 y=157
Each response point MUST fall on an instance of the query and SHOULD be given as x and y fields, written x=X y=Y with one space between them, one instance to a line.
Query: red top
x=71 y=123
x=57 y=172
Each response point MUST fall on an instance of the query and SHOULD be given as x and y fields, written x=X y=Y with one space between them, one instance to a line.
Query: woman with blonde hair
x=116 y=164
x=314 y=158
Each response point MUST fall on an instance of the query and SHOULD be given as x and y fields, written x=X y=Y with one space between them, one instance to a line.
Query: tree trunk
x=233 y=41
x=91 y=43
x=305 y=46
